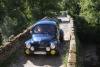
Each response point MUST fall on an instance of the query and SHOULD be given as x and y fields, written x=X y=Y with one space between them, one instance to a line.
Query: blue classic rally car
x=45 y=38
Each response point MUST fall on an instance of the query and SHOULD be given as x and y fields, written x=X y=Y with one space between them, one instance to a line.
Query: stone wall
x=71 y=62
x=11 y=46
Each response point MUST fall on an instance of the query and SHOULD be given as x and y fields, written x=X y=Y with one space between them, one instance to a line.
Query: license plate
x=39 y=52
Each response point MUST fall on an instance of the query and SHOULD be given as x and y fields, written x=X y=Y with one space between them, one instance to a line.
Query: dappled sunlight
x=29 y=64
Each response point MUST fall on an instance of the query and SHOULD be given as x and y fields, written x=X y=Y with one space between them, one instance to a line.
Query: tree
x=72 y=6
x=90 y=11
x=16 y=15
x=90 y=28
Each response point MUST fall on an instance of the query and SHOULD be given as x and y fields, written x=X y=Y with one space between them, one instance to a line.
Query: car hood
x=42 y=37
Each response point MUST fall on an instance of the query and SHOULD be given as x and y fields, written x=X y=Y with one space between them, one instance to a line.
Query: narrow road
x=43 y=60
x=39 y=60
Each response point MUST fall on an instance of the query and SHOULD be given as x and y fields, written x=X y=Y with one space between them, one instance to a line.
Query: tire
x=61 y=39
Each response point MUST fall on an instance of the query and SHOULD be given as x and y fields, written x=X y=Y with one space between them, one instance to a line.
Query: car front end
x=43 y=47
x=44 y=39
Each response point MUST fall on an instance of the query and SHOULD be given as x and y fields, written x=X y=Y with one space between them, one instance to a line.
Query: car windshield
x=44 y=29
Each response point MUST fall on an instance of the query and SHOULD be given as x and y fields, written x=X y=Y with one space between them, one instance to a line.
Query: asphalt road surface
x=43 y=60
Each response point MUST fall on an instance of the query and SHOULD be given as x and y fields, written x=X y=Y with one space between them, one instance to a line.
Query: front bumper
x=40 y=51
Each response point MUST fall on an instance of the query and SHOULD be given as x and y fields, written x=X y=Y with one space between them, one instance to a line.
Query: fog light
x=27 y=51
x=47 y=48
x=32 y=48
x=53 y=52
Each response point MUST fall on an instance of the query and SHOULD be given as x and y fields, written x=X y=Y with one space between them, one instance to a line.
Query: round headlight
x=52 y=45
x=32 y=48
x=28 y=45
x=47 y=48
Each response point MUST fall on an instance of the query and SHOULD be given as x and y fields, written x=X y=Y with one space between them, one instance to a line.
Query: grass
x=64 y=58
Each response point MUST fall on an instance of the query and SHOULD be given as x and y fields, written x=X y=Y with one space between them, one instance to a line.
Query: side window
x=36 y=29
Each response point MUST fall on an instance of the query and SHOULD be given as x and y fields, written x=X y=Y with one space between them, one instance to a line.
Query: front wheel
x=61 y=39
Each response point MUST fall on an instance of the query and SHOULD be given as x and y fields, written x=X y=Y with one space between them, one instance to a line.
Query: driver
x=38 y=29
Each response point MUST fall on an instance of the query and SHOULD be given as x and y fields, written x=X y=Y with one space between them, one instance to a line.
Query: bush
x=85 y=31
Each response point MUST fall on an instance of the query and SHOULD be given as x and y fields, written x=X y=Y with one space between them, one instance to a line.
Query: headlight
x=28 y=45
x=52 y=45
x=32 y=48
x=47 y=48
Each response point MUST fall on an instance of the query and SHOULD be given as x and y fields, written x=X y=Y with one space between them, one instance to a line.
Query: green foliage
x=42 y=8
x=16 y=15
x=87 y=18
x=91 y=14
x=90 y=11
x=72 y=6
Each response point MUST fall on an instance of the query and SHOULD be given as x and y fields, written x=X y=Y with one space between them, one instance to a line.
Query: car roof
x=45 y=22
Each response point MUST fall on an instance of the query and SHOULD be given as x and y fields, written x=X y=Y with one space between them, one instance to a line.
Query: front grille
x=40 y=49
x=43 y=44
x=40 y=44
